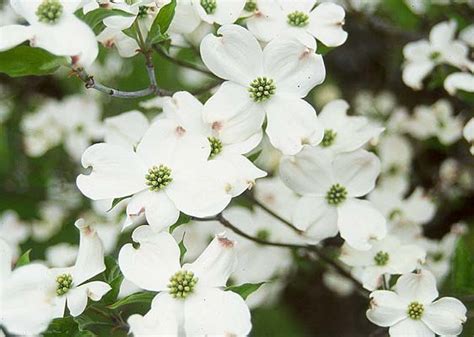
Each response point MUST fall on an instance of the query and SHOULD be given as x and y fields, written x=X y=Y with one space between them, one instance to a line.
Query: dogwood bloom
x=111 y=37
x=69 y=285
x=330 y=187
x=191 y=301
x=143 y=10
x=169 y=172
x=26 y=308
x=438 y=121
x=271 y=82
x=189 y=14
x=422 y=56
x=53 y=27
x=388 y=256
x=344 y=133
x=411 y=310
x=468 y=133
x=229 y=141
x=271 y=19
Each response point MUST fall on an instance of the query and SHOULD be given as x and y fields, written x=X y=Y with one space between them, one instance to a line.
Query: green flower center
x=250 y=6
x=336 y=194
x=216 y=146
x=435 y=55
x=329 y=138
x=263 y=234
x=381 y=258
x=209 y=6
x=261 y=89
x=64 y=283
x=182 y=284
x=142 y=11
x=415 y=310
x=158 y=177
x=298 y=19
x=438 y=256
x=49 y=11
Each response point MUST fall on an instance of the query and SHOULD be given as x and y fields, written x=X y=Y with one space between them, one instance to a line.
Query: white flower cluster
x=331 y=174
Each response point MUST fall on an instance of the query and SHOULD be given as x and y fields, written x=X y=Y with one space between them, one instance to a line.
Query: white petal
x=267 y=23
x=226 y=12
x=90 y=257
x=201 y=190
x=414 y=73
x=13 y=35
x=359 y=223
x=419 y=287
x=234 y=55
x=96 y=289
x=314 y=215
x=167 y=142
x=445 y=316
x=459 y=81
x=186 y=109
x=232 y=115
x=325 y=23
x=26 y=8
x=126 y=129
x=116 y=172
x=185 y=19
x=302 y=5
x=77 y=300
x=162 y=320
x=292 y=123
x=386 y=308
x=152 y=264
x=241 y=147
x=6 y=258
x=293 y=65
x=160 y=211
x=247 y=172
x=357 y=171
x=442 y=34
x=229 y=312
x=406 y=258
x=309 y=172
x=216 y=263
x=412 y=328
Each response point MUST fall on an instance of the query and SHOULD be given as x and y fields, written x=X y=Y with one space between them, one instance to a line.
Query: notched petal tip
x=224 y=241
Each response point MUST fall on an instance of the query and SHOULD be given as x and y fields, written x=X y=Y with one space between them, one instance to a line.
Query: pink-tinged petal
x=386 y=308
x=151 y=265
x=292 y=123
x=229 y=312
x=325 y=23
x=186 y=110
x=215 y=264
x=116 y=172
x=234 y=55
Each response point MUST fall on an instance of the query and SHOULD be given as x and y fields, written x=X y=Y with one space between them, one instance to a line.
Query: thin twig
x=320 y=254
x=181 y=62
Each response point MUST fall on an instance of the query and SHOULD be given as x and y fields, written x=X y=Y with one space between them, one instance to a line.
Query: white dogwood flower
x=191 y=301
x=271 y=82
x=344 y=133
x=324 y=22
x=330 y=187
x=53 y=27
x=69 y=285
x=411 y=310
x=468 y=133
x=26 y=307
x=169 y=172
x=422 y=56
x=387 y=256
x=229 y=141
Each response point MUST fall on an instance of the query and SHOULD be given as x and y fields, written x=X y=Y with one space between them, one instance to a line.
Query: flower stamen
x=158 y=177
x=209 y=6
x=182 y=284
x=329 y=138
x=216 y=146
x=64 y=283
x=261 y=89
x=298 y=19
x=336 y=194
x=415 y=310
x=49 y=11
x=381 y=258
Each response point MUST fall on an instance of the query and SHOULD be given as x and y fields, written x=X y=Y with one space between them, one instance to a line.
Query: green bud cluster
x=49 y=11
x=329 y=138
x=336 y=194
x=209 y=6
x=64 y=283
x=142 y=11
x=261 y=89
x=263 y=234
x=381 y=258
x=216 y=146
x=415 y=310
x=182 y=284
x=251 y=6
x=298 y=19
x=158 y=177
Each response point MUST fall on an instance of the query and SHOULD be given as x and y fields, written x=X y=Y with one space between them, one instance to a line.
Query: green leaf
x=26 y=61
x=161 y=24
x=96 y=319
x=323 y=49
x=23 y=259
x=66 y=326
x=183 y=219
x=113 y=276
x=141 y=297
x=463 y=272
x=246 y=289
x=182 y=249
x=116 y=201
x=93 y=18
